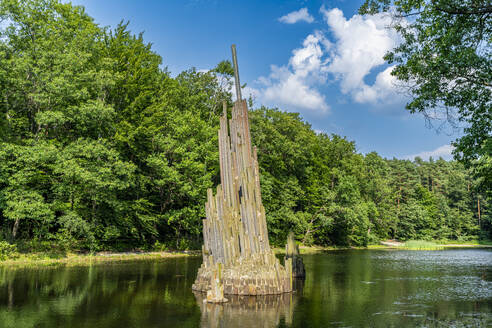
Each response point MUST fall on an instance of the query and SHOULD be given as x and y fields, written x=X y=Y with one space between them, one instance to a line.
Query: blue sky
x=318 y=58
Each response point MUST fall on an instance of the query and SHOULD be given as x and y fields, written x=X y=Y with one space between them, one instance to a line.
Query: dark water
x=373 y=288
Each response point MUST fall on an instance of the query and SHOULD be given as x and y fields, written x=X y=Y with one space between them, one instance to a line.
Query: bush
x=54 y=248
x=160 y=247
x=7 y=251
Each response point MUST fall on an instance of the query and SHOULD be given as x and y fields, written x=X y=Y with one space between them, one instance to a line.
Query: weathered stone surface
x=216 y=292
x=235 y=231
x=247 y=278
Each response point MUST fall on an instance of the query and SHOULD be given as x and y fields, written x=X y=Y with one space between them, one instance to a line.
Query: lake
x=352 y=288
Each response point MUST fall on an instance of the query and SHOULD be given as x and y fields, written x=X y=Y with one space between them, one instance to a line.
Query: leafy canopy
x=445 y=62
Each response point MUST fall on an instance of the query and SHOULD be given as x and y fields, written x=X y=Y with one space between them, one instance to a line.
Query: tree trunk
x=94 y=204
x=478 y=209
x=15 y=228
x=398 y=199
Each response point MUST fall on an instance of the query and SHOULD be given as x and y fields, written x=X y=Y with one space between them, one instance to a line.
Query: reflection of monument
x=248 y=311
x=293 y=258
x=236 y=247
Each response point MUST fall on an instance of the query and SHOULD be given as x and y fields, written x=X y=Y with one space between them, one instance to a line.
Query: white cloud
x=246 y=93
x=383 y=89
x=359 y=47
x=294 y=85
x=291 y=89
x=297 y=16
x=443 y=151
x=355 y=52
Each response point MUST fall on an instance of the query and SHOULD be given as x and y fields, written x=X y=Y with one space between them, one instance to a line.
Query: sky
x=318 y=58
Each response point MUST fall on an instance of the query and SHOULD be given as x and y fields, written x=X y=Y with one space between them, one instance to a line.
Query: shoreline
x=73 y=259
x=382 y=246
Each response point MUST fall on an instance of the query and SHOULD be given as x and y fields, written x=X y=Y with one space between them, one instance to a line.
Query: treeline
x=318 y=186
x=100 y=148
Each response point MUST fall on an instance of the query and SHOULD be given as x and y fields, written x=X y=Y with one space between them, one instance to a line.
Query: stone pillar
x=216 y=293
x=235 y=231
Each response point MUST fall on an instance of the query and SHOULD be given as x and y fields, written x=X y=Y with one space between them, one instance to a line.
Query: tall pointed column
x=235 y=231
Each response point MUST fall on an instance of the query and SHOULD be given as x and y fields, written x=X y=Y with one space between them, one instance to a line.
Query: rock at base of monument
x=216 y=292
x=212 y=298
x=247 y=278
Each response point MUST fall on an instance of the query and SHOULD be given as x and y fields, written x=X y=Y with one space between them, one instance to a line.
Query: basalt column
x=235 y=232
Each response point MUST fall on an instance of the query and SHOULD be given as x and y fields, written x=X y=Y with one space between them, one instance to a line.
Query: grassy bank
x=421 y=245
x=23 y=260
x=451 y=243
x=408 y=245
x=33 y=259
x=317 y=249
x=73 y=259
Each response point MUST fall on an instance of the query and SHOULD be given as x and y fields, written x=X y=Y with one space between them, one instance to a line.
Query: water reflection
x=397 y=289
x=135 y=294
x=343 y=288
x=266 y=311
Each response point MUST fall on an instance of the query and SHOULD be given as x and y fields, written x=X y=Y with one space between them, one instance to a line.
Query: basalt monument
x=237 y=258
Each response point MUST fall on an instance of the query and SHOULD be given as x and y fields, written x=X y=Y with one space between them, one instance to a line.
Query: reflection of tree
x=381 y=288
x=358 y=288
x=152 y=294
x=265 y=311
x=27 y=288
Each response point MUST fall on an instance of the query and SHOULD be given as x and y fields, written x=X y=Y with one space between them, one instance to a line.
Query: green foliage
x=101 y=149
x=159 y=247
x=445 y=59
x=7 y=251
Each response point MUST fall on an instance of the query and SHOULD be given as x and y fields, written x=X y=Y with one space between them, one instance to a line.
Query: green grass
x=377 y=246
x=457 y=242
x=421 y=245
x=470 y=242
x=71 y=259
x=485 y=242
x=313 y=249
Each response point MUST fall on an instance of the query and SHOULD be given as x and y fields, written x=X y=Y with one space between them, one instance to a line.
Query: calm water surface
x=360 y=288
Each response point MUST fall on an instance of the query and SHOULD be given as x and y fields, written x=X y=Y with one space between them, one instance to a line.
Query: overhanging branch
x=466 y=11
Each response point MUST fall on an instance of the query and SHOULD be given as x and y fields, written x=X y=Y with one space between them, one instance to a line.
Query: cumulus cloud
x=297 y=16
x=443 y=151
x=294 y=85
x=359 y=47
x=348 y=54
x=383 y=89
x=292 y=90
x=247 y=92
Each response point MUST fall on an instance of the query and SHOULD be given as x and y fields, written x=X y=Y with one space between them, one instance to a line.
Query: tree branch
x=464 y=11
x=409 y=14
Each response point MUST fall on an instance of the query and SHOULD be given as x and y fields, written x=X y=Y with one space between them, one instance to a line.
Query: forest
x=101 y=148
